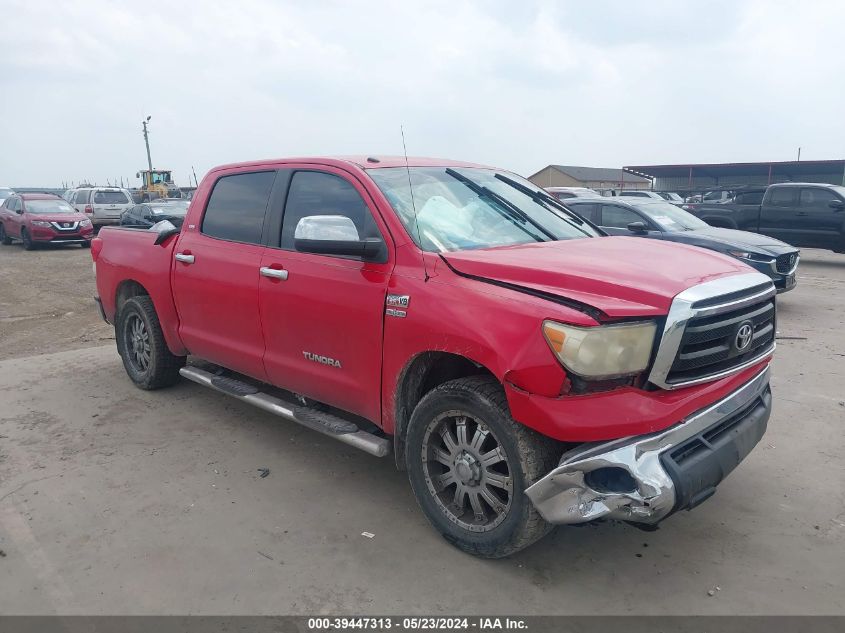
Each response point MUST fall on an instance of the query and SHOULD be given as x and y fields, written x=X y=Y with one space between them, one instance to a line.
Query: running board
x=326 y=423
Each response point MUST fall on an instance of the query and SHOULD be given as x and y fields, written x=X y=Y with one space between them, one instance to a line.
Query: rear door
x=323 y=322
x=13 y=219
x=778 y=216
x=816 y=222
x=216 y=273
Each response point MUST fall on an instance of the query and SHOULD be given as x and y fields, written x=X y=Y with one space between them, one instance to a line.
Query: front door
x=216 y=273
x=323 y=314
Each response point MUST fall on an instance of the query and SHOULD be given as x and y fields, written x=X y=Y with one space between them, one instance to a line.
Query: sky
x=517 y=85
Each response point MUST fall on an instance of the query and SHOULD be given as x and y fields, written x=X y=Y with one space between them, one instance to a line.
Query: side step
x=326 y=423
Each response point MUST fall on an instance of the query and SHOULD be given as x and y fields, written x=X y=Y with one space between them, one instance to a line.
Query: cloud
x=519 y=85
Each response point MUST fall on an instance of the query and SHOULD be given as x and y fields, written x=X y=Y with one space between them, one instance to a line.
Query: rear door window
x=587 y=211
x=237 y=207
x=82 y=196
x=319 y=193
x=110 y=197
x=749 y=197
x=783 y=197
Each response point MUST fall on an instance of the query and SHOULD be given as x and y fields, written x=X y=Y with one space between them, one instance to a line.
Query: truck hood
x=731 y=238
x=619 y=276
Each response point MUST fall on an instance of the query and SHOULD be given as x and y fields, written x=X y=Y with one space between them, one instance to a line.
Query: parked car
x=102 y=205
x=657 y=219
x=639 y=193
x=39 y=218
x=149 y=213
x=670 y=196
x=564 y=193
x=522 y=371
x=810 y=215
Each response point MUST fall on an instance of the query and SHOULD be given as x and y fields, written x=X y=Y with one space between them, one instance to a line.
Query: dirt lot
x=114 y=500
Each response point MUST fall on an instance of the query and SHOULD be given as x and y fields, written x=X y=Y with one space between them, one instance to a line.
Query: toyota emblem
x=744 y=334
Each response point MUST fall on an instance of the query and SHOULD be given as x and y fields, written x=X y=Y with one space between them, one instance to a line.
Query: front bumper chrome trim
x=564 y=496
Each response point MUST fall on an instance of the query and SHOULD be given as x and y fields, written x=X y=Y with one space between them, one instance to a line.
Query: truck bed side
x=129 y=263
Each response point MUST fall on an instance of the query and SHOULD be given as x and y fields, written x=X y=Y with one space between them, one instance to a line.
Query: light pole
x=147 y=142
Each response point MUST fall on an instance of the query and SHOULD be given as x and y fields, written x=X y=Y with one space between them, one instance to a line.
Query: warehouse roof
x=596 y=174
x=791 y=169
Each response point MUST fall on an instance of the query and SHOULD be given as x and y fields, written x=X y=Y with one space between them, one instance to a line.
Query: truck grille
x=786 y=262
x=716 y=343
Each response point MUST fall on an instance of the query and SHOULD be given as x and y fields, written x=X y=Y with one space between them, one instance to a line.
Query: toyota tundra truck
x=525 y=369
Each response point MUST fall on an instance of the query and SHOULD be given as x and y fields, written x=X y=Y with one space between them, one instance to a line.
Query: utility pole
x=799 y=154
x=147 y=142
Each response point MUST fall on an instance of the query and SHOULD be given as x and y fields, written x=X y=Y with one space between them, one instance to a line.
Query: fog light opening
x=611 y=480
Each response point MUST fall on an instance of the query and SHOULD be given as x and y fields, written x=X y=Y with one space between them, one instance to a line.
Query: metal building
x=697 y=178
x=599 y=178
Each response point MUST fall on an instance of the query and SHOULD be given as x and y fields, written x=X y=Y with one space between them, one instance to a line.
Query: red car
x=41 y=218
x=524 y=368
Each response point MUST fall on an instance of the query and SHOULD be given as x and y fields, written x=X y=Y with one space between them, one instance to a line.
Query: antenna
x=413 y=203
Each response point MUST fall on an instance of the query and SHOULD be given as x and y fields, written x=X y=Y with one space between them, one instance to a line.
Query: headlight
x=86 y=222
x=606 y=351
x=41 y=223
x=754 y=257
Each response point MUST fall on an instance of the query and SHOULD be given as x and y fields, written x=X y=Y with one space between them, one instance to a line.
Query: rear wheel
x=4 y=238
x=141 y=345
x=28 y=244
x=469 y=464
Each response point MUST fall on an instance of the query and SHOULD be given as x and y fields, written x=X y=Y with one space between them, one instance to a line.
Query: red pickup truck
x=525 y=369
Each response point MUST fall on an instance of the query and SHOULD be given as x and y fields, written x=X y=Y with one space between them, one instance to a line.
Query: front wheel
x=141 y=345
x=4 y=237
x=28 y=244
x=469 y=464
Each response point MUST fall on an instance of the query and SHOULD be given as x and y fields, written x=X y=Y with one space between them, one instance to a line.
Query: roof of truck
x=372 y=161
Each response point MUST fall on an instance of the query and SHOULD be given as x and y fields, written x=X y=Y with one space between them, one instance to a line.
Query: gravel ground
x=114 y=500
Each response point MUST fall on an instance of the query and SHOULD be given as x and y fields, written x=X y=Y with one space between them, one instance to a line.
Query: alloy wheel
x=466 y=471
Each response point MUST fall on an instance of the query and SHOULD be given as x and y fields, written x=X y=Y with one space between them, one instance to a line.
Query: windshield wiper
x=514 y=211
x=543 y=199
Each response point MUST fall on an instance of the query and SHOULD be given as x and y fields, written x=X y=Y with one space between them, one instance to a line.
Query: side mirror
x=19 y=211
x=836 y=204
x=165 y=229
x=638 y=227
x=335 y=235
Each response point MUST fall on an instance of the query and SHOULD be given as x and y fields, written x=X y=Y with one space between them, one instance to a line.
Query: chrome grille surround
x=709 y=298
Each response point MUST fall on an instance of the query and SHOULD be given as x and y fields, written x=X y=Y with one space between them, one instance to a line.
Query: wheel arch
x=420 y=375
x=129 y=288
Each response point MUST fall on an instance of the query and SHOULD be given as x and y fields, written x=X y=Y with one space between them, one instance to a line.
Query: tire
x=527 y=456
x=28 y=244
x=141 y=345
x=86 y=244
x=4 y=238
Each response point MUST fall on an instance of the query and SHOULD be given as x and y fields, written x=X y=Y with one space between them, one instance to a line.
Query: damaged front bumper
x=644 y=479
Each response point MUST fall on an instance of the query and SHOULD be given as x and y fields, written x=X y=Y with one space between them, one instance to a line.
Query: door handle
x=273 y=273
x=185 y=258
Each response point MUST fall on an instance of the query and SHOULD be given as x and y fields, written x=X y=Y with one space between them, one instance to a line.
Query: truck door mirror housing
x=836 y=204
x=638 y=227
x=335 y=235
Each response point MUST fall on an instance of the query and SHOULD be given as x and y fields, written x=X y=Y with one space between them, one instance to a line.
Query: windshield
x=669 y=217
x=666 y=195
x=110 y=197
x=48 y=206
x=454 y=213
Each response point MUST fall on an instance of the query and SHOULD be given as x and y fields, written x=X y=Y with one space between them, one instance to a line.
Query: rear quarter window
x=237 y=207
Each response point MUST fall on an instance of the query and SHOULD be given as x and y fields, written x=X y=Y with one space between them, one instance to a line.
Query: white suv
x=104 y=205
